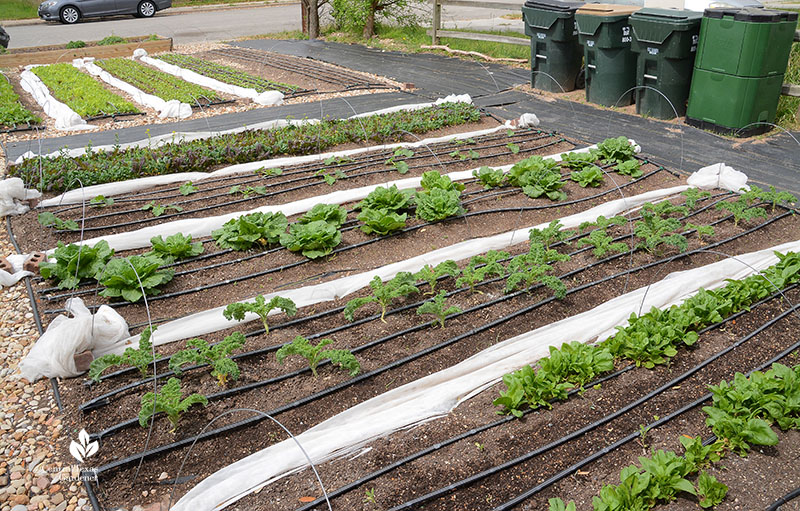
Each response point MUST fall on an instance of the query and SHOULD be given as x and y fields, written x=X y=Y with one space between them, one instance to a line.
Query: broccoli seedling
x=199 y=352
x=261 y=307
x=438 y=307
x=141 y=358
x=168 y=400
x=316 y=354
x=383 y=294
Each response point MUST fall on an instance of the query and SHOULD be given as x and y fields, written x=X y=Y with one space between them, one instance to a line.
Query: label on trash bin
x=694 y=43
x=652 y=51
x=590 y=44
x=626 y=35
x=540 y=35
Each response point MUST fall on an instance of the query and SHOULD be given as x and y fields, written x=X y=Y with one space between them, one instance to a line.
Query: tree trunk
x=369 y=23
x=313 y=19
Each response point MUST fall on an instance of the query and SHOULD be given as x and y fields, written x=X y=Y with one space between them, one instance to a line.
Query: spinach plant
x=170 y=401
x=261 y=307
x=316 y=354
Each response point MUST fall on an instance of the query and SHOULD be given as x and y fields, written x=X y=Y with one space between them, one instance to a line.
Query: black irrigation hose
x=348 y=247
x=102 y=400
x=424 y=452
x=590 y=427
x=111 y=116
x=35 y=310
x=119 y=426
x=775 y=506
x=17 y=129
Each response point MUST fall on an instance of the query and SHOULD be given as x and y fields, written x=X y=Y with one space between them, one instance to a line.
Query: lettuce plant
x=75 y=263
x=332 y=213
x=381 y=221
x=249 y=230
x=489 y=177
x=391 y=198
x=314 y=240
x=175 y=247
x=132 y=277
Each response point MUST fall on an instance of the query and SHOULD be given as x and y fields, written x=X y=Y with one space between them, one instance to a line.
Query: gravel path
x=34 y=472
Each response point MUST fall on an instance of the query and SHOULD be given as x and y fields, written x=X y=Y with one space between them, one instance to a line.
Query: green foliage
x=168 y=400
x=692 y=195
x=557 y=504
x=48 y=219
x=330 y=177
x=224 y=73
x=551 y=234
x=383 y=293
x=432 y=180
x=775 y=197
x=514 y=148
x=331 y=213
x=489 y=177
x=432 y=275
x=75 y=263
x=314 y=239
x=537 y=177
x=741 y=210
x=159 y=209
x=81 y=92
x=710 y=491
x=615 y=150
x=175 y=247
x=75 y=44
x=481 y=267
x=702 y=230
x=604 y=223
x=398 y=164
x=630 y=167
x=187 y=188
x=579 y=161
x=591 y=176
x=129 y=277
x=248 y=230
x=109 y=40
x=12 y=112
x=381 y=221
x=532 y=267
x=158 y=83
x=198 y=351
x=247 y=191
x=655 y=230
x=699 y=455
x=391 y=198
x=101 y=201
x=466 y=155
x=603 y=243
x=261 y=307
x=438 y=204
x=271 y=172
x=438 y=307
x=316 y=354
x=141 y=358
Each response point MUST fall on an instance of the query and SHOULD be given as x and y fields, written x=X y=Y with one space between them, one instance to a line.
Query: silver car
x=70 y=11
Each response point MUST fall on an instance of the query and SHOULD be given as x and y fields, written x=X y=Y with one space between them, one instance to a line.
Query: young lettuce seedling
x=261 y=307
x=168 y=400
x=316 y=354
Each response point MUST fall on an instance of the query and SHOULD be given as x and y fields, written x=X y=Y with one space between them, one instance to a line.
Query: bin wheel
x=580 y=80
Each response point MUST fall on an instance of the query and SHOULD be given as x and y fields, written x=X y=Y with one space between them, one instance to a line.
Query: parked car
x=4 y=38
x=70 y=11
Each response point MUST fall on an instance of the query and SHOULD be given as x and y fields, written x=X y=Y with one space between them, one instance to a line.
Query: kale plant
x=198 y=351
x=438 y=307
x=316 y=354
x=383 y=293
x=141 y=358
x=261 y=307
x=169 y=401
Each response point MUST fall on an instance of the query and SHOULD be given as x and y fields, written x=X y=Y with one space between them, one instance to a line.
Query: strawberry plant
x=489 y=177
x=383 y=293
x=431 y=275
x=741 y=210
x=316 y=354
x=160 y=209
x=168 y=400
x=481 y=267
x=261 y=307
x=692 y=195
x=331 y=213
x=141 y=358
x=603 y=243
x=132 y=277
x=314 y=240
x=438 y=307
x=381 y=221
x=591 y=176
x=175 y=247
x=248 y=230
x=48 y=219
x=187 y=188
x=198 y=351
x=101 y=201
x=75 y=263
x=391 y=198
x=554 y=232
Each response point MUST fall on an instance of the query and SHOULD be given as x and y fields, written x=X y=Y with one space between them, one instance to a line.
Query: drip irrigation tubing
x=320 y=181
x=337 y=250
x=419 y=454
x=775 y=506
x=111 y=116
x=102 y=400
x=17 y=129
x=119 y=426
x=590 y=427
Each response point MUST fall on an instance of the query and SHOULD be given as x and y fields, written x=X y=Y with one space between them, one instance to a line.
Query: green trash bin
x=738 y=72
x=556 y=55
x=605 y=34
x=665 y=42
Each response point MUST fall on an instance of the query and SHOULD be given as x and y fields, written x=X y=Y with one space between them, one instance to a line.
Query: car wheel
x=69 y=15
x=147 y=9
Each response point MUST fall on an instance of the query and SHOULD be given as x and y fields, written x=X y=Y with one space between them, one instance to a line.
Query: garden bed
x=59 y=53
x=406 y=347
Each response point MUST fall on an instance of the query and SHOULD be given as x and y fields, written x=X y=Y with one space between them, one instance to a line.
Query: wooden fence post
x=437 y=21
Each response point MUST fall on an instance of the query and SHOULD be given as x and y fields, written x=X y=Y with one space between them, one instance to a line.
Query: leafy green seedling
x=337 y=160
x=175 y=247
x=187 y=188
x=591 y=176
x=489 y=177
x=316 y=354
x=383 y=293
x=247 y=191
x=75 y=263
x=464 y=141
x=398 y=164
x=48 y=219
x=198 y=351
x=514 y=148
x=133 y=276
x=702 y=230
x=557 y=504
x=438 y=307
x=710 y=491
x=265 y=172
x=141 y=358
x=603 y=243
x=432 y=275
x=169 y=401
x=261 y=307
x=101 y=201
x=160 y=209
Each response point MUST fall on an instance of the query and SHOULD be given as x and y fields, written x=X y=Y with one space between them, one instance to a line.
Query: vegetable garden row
x=584 y=408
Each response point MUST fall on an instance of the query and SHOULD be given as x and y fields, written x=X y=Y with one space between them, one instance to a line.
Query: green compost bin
x=665 y=42
x=604 y=32
x=556 y=55
x=741 y=59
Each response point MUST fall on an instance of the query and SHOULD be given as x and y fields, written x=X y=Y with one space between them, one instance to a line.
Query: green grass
x=18 y=9
x=787 y=115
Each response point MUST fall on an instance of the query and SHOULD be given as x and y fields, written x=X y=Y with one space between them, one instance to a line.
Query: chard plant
x=250 y=230
x=603 y=243
x=48 y=219
x=383 y=293
x=315 y=354
x=431 y=275
x=261 y=307
x=381 y=221
x=590 y=176
x=74 y=263
x=170 y=401
x=438 y=307
x=314 y=239
x=141 y=358
x=389 y=198
x=175 y=247
x=130 y=278
x=160 y=209
x=489 y=177
x=198 y=351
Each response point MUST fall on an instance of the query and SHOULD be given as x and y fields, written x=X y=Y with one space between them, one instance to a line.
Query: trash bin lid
x=608 y=9
x=671 y=16
x=555 y=5
x=752 y=14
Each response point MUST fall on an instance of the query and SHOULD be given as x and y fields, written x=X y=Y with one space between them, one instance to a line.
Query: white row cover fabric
x=194 y=135
x=171 y=108
x=452 y=98
x=200 y=227
x=16 y=261
x=65 y=117
x=14 y=197
x=270 y=97
x=437 y=394
x=52 y=355
x=721 y=176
